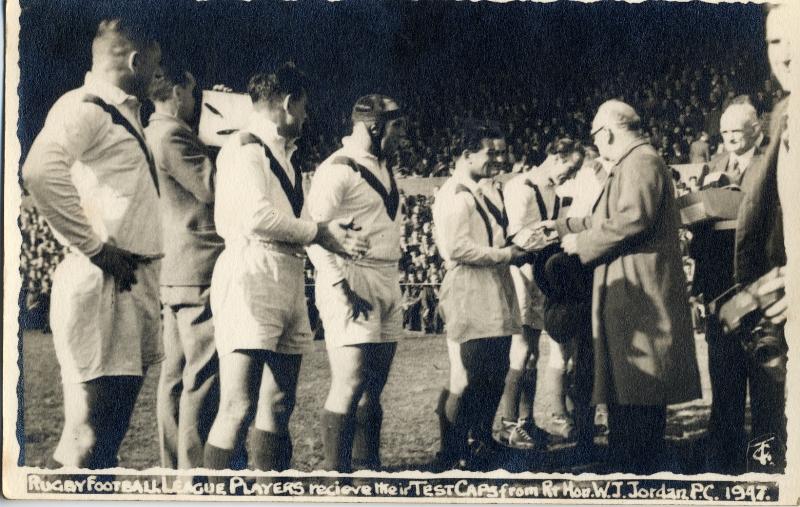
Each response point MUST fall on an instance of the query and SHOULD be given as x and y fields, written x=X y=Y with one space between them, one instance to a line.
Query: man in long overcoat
x=643 y=341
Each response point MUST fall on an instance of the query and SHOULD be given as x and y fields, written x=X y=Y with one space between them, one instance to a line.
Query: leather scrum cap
x=374 y=107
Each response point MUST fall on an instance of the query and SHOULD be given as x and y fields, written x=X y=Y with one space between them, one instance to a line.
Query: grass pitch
x=410 y=435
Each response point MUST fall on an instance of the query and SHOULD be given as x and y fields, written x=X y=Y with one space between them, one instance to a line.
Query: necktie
x=735 y=170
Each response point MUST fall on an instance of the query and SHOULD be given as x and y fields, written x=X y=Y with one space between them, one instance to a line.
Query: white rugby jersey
x=90 y=174
x=465 y=232
x=353 y=183
x=258 y=198
x=524 y=206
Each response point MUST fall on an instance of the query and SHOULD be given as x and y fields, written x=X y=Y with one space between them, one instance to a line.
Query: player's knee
x=458 y=382
x=282 y=406
x=347 y=386
x=234 y=411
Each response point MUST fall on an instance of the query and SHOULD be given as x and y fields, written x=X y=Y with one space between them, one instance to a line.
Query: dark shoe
x=443 y=462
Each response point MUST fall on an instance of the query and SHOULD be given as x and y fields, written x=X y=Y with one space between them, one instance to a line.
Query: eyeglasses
x=597 y=131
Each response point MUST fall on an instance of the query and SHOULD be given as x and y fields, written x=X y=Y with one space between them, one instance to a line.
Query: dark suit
x=188 y=391
x=711 y=249
x=759 y=248
x=729 y=371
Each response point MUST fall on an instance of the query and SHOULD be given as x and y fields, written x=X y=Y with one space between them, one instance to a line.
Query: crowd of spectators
x=38 y=259
x=676 y=107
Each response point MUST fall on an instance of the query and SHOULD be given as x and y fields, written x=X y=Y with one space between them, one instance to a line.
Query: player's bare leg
x=520 y=386
x=272 y=442
x=453 y=426
x=240 y=378
x=369 y=414
x=96 y=417
x=551 y=411
x=348 y=383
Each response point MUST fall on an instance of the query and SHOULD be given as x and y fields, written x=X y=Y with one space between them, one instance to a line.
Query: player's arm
x=46 y=173
x=640 y=199
x=248 y=189
x=328 y=190
x=325 y=197
x=453 y=226
x=262 y=219
x=572 y=225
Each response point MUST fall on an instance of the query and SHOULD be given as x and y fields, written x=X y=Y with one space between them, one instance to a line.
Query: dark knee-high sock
x=584 y=423
x=216 y=458
x=441 y=413
x=271 y=451
x=337 y=434
x=454 y=426
x=511 y=395
x=495 y=396
x=527 y=393
x=239 y=457
x=367 y=438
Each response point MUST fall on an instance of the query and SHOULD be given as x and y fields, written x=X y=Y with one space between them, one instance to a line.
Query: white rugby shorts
x=379 y=284
x=258 y=301
x=99 y=331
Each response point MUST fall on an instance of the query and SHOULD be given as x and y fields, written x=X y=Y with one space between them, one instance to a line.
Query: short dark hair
x=565 y=146
x=140 y=34
x=286 y=80
x=473 y=132
x=173 y=73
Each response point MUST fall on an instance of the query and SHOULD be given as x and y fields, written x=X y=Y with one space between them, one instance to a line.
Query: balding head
x=615 y=125
x=615 y=113
x=739 y=127
x=124 y=54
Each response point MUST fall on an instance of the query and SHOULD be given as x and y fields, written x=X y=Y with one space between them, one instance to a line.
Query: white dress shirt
x=741 y=162
x=90 y=178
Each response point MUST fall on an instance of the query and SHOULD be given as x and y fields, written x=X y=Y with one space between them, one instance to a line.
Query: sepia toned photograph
x=401 y=251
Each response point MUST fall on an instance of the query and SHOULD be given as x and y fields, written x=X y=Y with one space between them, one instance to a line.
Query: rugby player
x=261 y=325
x=92 y=177
x=359 y=299
x=477 y=300
x=529 y=198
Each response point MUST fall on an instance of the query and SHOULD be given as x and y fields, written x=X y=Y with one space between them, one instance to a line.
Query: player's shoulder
x=338 y=164
x=242 y=146
x=76 y=106
x=517 y=183
x=341 y=160
x=454 y=195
